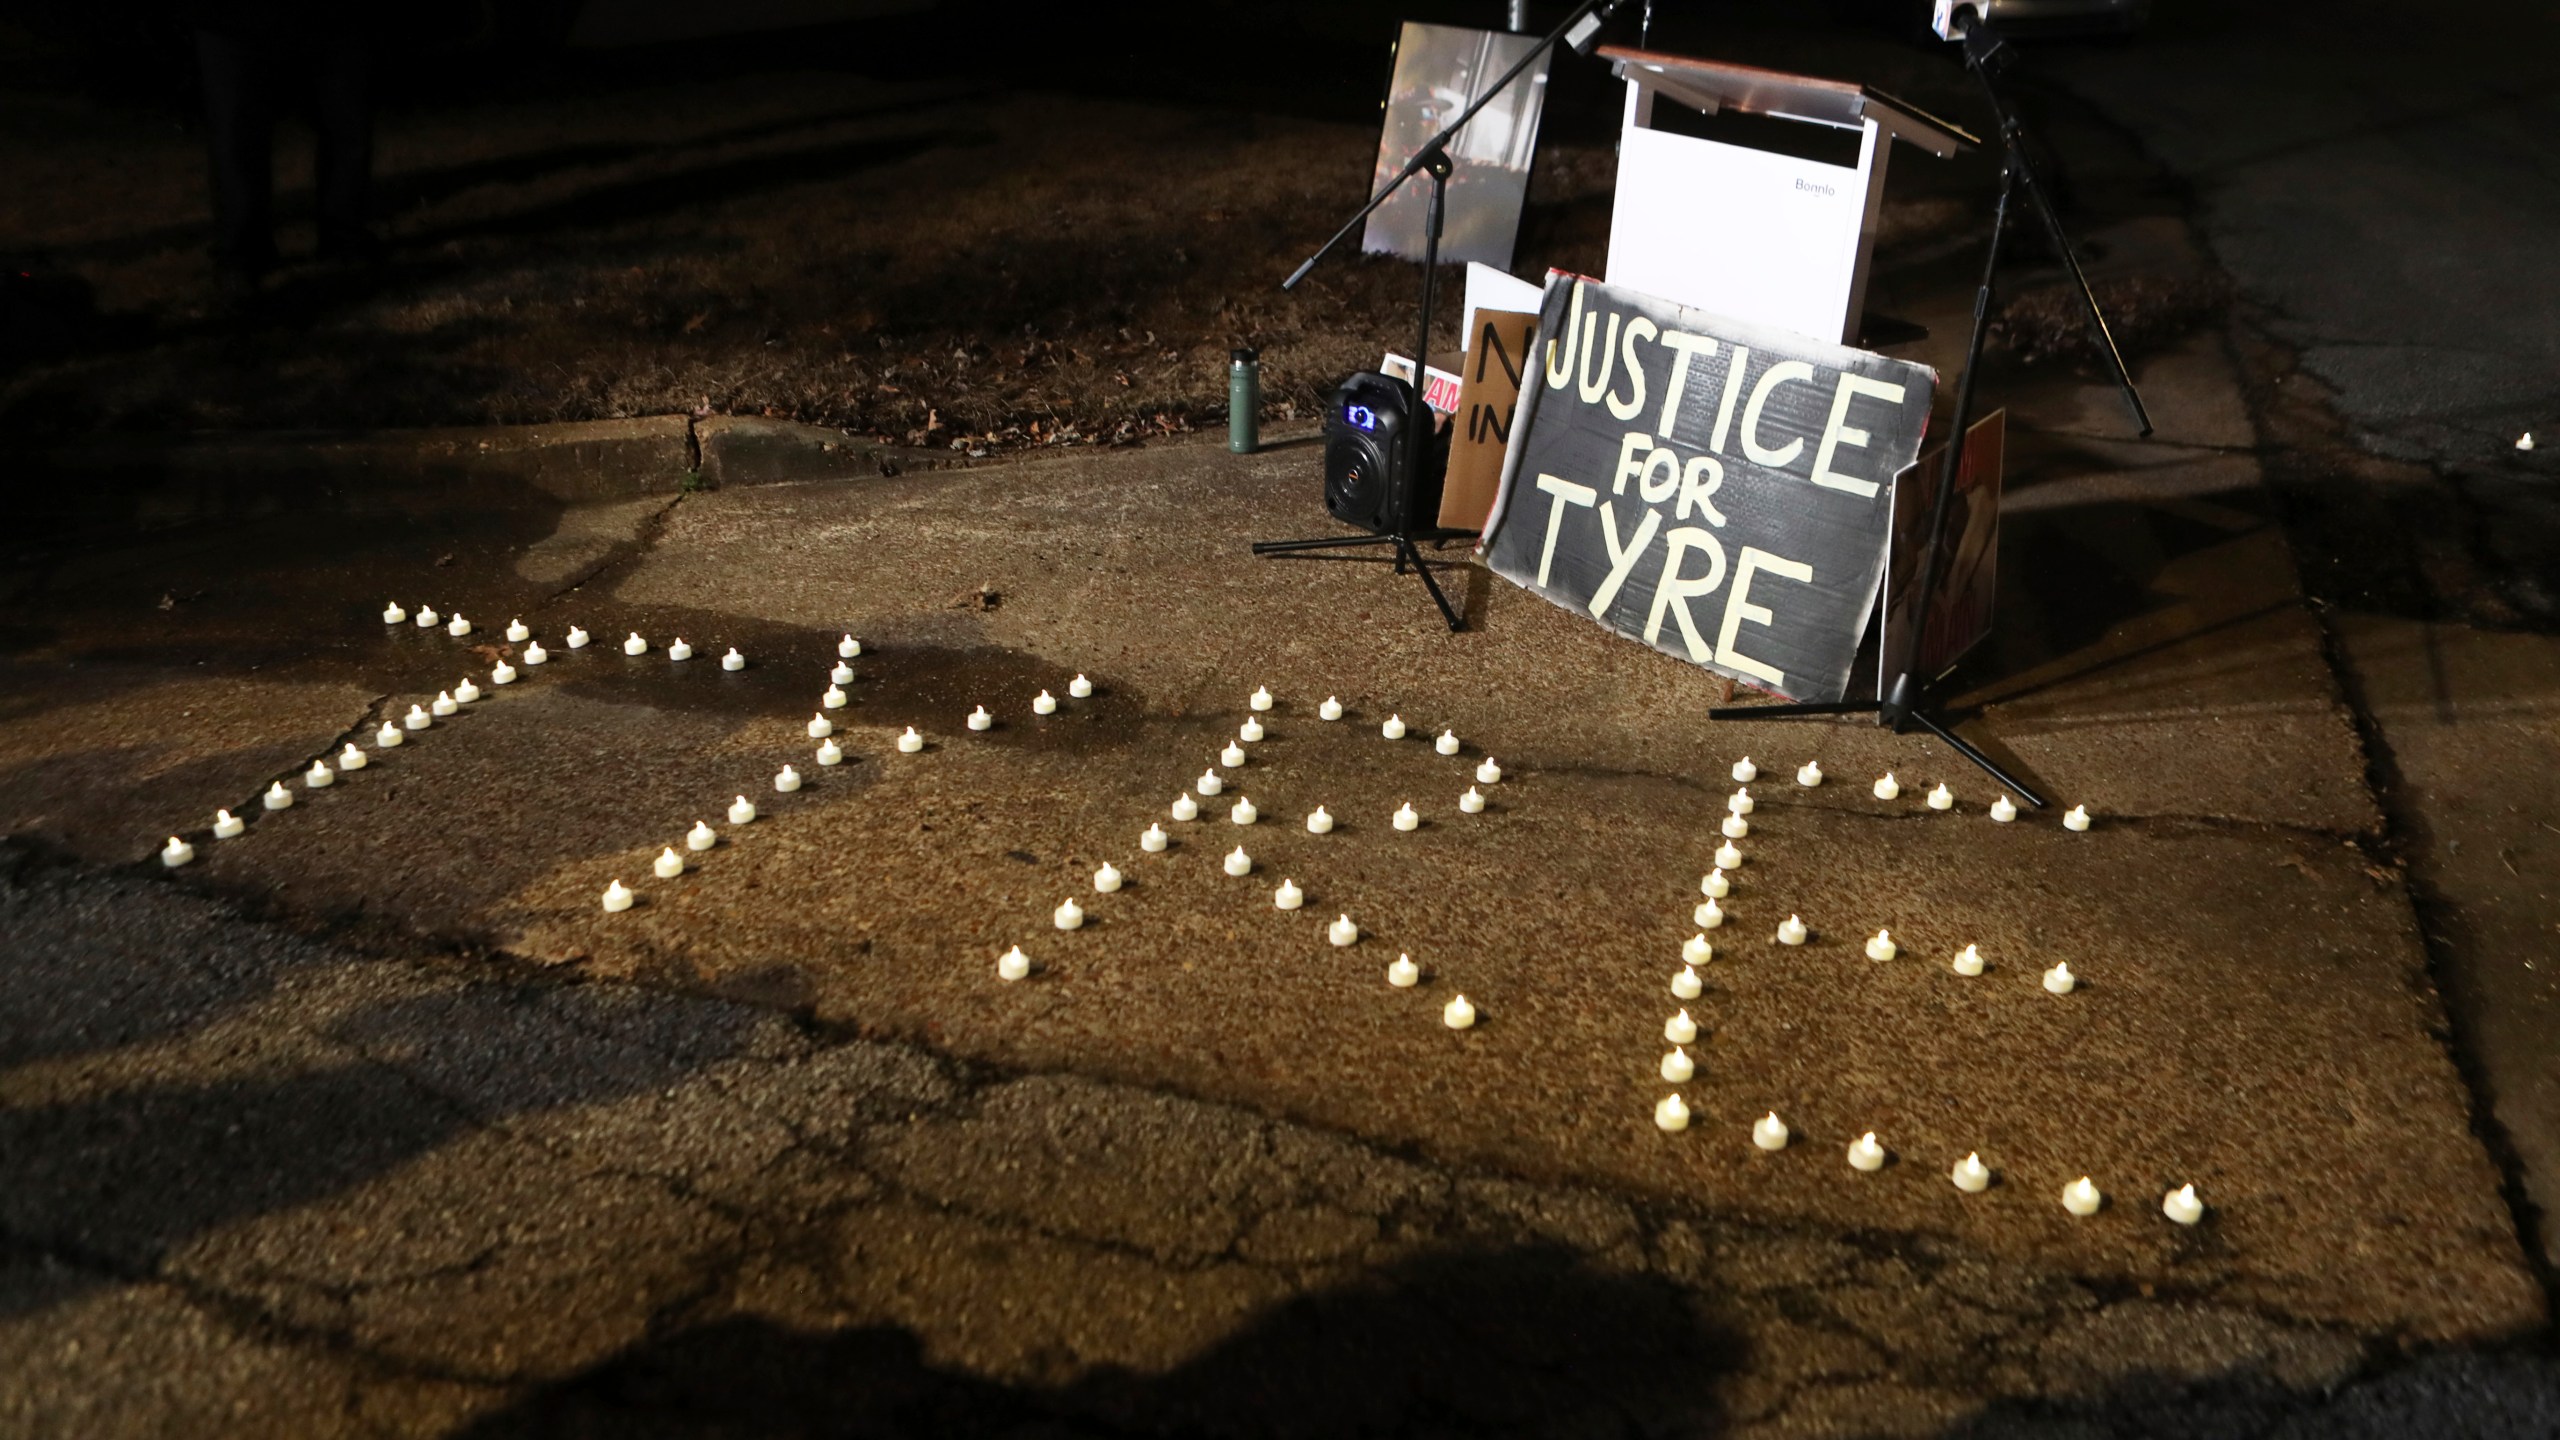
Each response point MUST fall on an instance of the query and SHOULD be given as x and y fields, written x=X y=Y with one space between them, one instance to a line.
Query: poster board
x=1440 y=71
x=1498 y=354
x=1720 y=490
x=1960 y=615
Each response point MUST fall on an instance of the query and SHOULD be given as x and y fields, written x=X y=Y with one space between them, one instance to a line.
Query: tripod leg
x=1457 y=622
x=1321 y=542
x=2071 y=261
x=1928 y=722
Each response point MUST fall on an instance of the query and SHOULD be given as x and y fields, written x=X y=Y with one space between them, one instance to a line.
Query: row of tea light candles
x=2081 y=1197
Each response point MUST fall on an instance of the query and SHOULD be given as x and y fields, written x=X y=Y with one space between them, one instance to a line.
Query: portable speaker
x=1365 y=471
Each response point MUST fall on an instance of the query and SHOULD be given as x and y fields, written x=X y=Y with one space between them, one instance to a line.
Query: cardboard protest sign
x=1488 y=393
x=1716 y=489
x=1960 y=613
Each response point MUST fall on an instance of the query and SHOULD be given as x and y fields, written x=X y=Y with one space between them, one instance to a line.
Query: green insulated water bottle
x=1244 y=400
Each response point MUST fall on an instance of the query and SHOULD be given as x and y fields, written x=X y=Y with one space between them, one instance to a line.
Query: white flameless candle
x=1740 y=802
x=577 y=638
x=1709 y=915
x=1970 y=1175
x=1942 y=798
x=534 y=654
x=1458 y=1014
x=1471 y=803
x=2180 y=1205
x=742 y=811
x=1044 y=703
x=1769 y=1132
x=1488 y=773
x=1342 y=931
x=1888 y=788
x=1288 y=896
x=444 y=705
x=910 y=742
x=1865 y=1154
x=1809 y=774
x=1080 y=688
x=829 y=752
x=668 y=865
x=1107 y=879
x=1696 y=951
x=1404 y=974
x=466 y=692
x=1013 y=964
x=1968 y=961
x=392 y=614
x=632 y=644
x=1394 y=728
x=1242 y=812
x=1238 y=862
x=1209 y=783
x=1154 y=840
x=2081 y=1197
x=786 y=780
x=1331 y=709
x=1319 y=822
x=833 y=698
x=1447 y=744
x=1068 y=916
x=352 y=758
x=1185 y=808
x=1405 y=818
x=427 y=617
x=1745 y=771
x=1736 y=828
x=1251 y=731
x=848 y=647
x=733 y=660
x=502 y=673
x=701 y=836
x=1671 y=1115
x=1685 y=985
x=1715 y=884
x=2077 y=818
x=227 y=826
x=518 y=632
x=1232 y=756
x=389 y=736
x=1880 y=946
x=617 y=897
x=2059 y=980
x=979 y=719
x=1677 y=1067
x=2003 y=811
x=1680 y=1029
x=1261 y=698
x=417 y=718
x=842 y=674
x=819 y=726
x=176 y=853
x=319 y=776
x=1792 y=931
x=459 y=628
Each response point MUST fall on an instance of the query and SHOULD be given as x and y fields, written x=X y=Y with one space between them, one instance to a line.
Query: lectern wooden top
x=1713 y=85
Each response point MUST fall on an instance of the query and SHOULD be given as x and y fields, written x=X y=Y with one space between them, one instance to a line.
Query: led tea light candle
x=176 y=853
x=418 y=718
x=701 y=836
x=733 y=660
x=466 y=692
x=1488 y=773
x=1261 y=698
x=1185 y=808
x=1342 y=931
x=910 y=742
x=618 y=897
x=1880 y=946
x=1331 y=709
x=1238 y=862
x=1792 y=931
x=1242 y=812
x=1394 y=728
x=1251 y=731
x=1970 y=1175
x=392 y=614
x=1154 y=840
x=2003 y=810
x=1715 y=884
x=786 y=780
x=1745 y=771
x=842 y=674
x=444 y=705
x=1405 y=818
x=833 y=698
x=1107 y=880
x=1068 y=916
x=829 y=752
x=1865 y=1155
x=2059 y=980
x=1471 y=803
x=319 y=776
x=742 y=811
x=427 y=617
x=1696 y=951
x=2081 y=1197
x=1319 y=822
x=2182 y=1206
x=502 y=673
x=534 y=654
x=1013 y=964
x=1740 y=802
x=227 y=826
x=1080 y=688
x=632 y=644
x=1888 y=787
x=668 y=865
x=1680 y=1029
x=1809 y=774
x=819 y=726
x=1232 y=756
x=979 y=719
x=352 y=758
x=1404 y=974
x=1708 y=915
x=1942 y=798
x=1671 y=1115
x=459 y=628
x=1728 y=856
x=1209 y=783
x=1677 y=1067
x=1968 y=961
x=389 y=736
x=1044 y=703
x=1769 y=1132
x=1288 y=896
x=1447 y=744
x=1736 y=828
x=1685 y=985
x=518 y=632
x=577 y=638
x=2077 y=818
x=1458 y=1014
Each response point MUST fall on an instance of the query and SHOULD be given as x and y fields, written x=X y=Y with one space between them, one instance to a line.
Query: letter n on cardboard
x=1488 y=392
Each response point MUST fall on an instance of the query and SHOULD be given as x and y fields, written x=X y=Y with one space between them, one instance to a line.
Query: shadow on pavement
x=1527 y=1341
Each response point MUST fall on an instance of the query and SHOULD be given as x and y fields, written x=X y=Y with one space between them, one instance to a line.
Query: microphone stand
x=1579 y=29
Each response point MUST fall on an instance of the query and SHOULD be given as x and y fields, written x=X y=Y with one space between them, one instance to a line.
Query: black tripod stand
x=1905 y=701
x=1579 y=29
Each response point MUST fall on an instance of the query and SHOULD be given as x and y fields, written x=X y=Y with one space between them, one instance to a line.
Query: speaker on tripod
x=1368 y=476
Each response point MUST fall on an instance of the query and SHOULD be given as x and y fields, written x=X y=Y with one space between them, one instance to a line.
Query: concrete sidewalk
x=372 y=1120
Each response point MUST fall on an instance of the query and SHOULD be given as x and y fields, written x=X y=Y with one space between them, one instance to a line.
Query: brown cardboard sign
x=1488 y=391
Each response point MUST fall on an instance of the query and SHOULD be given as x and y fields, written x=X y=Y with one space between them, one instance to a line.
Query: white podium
x=1748 y=232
